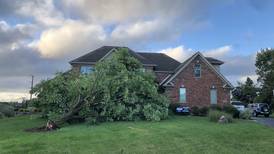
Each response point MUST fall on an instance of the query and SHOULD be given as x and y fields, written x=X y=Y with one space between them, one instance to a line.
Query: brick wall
x=198 y=89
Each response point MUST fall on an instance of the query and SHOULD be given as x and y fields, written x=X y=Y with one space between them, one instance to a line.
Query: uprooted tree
x=118 y=89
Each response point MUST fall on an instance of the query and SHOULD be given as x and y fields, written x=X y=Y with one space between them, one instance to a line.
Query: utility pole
x=31 y=87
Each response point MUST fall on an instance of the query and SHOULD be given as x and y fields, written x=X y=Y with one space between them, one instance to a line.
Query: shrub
x=231 y=110
x=246 y=114
x=32 y=109
x=195 y=111
x=23 y=110
x=2 y=115
x=7 y=110
x=203 y=111
x=216 y=107
x=215 y=115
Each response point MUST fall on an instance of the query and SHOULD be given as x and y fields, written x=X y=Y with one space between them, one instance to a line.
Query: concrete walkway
x=265 y=121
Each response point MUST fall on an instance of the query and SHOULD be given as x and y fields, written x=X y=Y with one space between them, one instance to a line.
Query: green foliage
x=245 y=92
x=6 y=110
x=231 y=110
x=215 y=115
x=216 y=107
x=196 y=111
x=265 y=71
x=246 y=114
x=127 y=93
x=204 y=111
x=117 y=90
x=2 y=115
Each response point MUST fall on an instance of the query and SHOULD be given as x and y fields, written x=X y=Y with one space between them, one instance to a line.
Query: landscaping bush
x=216 y=107
x=231 y=110
x=215 y=115
x=2 y=115
x=23 y=110
x=32 y=109
x=7 y=110
x=246 y=114
x=195 y=111
x=203 y=111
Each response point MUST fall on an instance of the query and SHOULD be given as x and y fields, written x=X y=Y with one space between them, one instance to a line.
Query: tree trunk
x=77 y=107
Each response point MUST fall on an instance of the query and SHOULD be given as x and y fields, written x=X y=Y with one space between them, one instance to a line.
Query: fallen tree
x=118 y=89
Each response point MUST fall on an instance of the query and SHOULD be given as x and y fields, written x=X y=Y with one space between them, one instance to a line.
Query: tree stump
x=51 y=125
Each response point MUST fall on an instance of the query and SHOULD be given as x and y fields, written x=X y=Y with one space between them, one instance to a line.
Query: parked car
x=240 y=106
x=260 y=109
x=183 y=110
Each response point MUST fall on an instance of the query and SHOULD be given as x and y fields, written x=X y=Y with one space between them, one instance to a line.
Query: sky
x=39 y=37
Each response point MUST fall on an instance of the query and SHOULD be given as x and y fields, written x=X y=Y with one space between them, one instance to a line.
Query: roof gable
x=187 y=62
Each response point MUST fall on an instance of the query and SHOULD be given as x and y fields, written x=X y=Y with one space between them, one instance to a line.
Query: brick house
x=194 y=82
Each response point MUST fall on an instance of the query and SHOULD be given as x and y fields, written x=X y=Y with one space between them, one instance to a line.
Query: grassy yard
x=176 y=135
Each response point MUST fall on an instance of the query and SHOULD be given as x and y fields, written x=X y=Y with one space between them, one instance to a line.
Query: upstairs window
x=197 y=71
x=86 y=69
x=182 y=95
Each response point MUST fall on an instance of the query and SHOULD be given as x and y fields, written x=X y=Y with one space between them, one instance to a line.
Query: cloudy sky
x=39 y=37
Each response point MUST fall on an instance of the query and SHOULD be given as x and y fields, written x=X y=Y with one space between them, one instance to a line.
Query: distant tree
x=245 y=92
x=265 y=72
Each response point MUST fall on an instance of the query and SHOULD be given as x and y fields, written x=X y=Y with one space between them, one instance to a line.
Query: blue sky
x=39 y=37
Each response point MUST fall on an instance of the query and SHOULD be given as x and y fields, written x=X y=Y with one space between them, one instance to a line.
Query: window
x=197 y=70
x=86 y=69
x=182 y=95
x=213 y=96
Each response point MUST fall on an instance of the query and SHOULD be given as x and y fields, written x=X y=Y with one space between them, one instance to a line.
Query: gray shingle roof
x=163 y=62
x=214 y=61
x=97 y=54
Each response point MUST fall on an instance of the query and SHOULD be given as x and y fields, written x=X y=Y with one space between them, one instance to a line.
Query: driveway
x=265 y=121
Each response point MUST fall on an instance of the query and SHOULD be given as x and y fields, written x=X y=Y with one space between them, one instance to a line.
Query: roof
x=163 y=62
x=160 y=60
x=214 y=61
x=98 y=54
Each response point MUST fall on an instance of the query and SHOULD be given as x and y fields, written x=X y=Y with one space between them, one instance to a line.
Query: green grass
x=176 y=135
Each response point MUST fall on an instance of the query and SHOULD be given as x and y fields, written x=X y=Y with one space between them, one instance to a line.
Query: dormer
x=215 y=62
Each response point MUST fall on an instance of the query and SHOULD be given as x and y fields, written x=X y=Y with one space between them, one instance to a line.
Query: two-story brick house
x=194 y=82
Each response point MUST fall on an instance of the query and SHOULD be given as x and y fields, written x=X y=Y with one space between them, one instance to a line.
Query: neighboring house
x=195 y=82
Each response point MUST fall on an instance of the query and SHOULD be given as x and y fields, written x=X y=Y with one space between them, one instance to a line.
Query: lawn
x=175 y=135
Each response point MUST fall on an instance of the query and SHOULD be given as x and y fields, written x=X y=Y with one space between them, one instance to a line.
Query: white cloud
x=117 y=11
x=219 y=52
x=43 y=11
x=135 y=30
x=71 y=39
x=179 y=53
x=13 y=96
